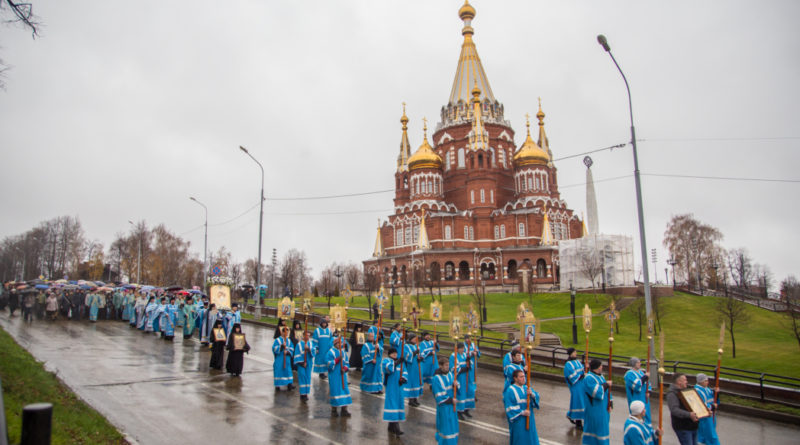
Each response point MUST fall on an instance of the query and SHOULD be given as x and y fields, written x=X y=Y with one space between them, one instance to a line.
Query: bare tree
x=590 y=265
x=734 y=313
x=790 y=289
x=295 y=272
x=741 y=267
x=640 y=309
x=13 y=11
x=694 y=245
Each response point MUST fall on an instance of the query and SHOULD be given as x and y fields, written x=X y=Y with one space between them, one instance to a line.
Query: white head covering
x=637 y=407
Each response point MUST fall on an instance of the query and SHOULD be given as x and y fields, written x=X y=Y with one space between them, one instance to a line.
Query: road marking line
x=267 y=413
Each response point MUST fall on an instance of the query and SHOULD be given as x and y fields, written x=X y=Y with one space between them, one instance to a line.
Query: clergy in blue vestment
x=706 y=427
x=93 y=301
x=596 y=405
x=516 y=403
x=461 y=376
x=232 y=317
x=140 y=309
x=376 y=332
x=371 y=376
x=396 y=339
x=322 y=343
x=637 y=431
x=446 y=419
x=202 y=326
x=472 y=352
x=507 y=359
x=517 y=364
x=158 y=327
x=189 y=316
x=282 y=365
x=394 y=410
x=573 y=374
x=339 y=392
x=117 y=299
x=637 y=386
x=428 y=350
x=149 y=314
x=210 y=317
x=304 y=361
x=413 y=388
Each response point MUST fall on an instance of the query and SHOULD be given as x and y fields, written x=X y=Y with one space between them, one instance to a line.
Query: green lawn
x=692 y=334
x=25 y=381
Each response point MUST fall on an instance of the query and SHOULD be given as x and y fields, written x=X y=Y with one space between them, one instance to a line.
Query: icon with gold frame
x=436 y=311
x=238 y=342
x=405 y=304
x=286 y=309
x=456 y=329
x=338 y=317
x=529 y=335
x=692 y=402
x=587 y=318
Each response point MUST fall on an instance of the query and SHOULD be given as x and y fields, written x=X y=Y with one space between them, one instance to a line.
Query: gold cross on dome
x=404 y=108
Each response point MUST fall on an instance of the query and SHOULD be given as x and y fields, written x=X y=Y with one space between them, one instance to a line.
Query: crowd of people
x=400 y=370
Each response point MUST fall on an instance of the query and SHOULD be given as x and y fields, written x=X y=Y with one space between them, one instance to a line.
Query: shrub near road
x=25 y=381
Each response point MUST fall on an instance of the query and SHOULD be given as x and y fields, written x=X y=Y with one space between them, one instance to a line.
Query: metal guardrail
x=770 y=387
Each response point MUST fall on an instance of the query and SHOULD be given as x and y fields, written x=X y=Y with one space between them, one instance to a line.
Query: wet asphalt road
x=158 y=392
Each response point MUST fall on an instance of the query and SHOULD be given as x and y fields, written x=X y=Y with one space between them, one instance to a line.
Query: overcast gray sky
x=122 y=110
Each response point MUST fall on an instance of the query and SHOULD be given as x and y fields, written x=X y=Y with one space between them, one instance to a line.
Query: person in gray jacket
x=683 y=422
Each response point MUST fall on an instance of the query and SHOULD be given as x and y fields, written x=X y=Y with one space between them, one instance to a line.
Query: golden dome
x=424 y=157
x=530 y=153
x=467 y=12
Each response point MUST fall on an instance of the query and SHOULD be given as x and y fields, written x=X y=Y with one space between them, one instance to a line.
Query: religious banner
x=587 y=319
x=529 y=333
x=348 y=296
x=339 y=317
x=220 y=295
x=307 y=306
x=522 y=312
x=405 y=304
x=414 y=315
x=473 y=320
x=219 y=334
x=286 y=309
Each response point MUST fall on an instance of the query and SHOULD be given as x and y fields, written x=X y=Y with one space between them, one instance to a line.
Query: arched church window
x=472 y=196
x=491 y=196
x=471 y=233
x=502 y=230
x=408 y=234
x=466 y=232
x=447 y=232
x=461 y=161
x=521 y=229
x=483 y=196
x=496 y=232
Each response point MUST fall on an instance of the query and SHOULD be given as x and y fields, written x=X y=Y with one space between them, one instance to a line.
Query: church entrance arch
x=487 y=271
x=449 y=271
x=512 y=269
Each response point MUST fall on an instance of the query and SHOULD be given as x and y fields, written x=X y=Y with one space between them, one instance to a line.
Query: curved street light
x=260 y=218
x=601 y=39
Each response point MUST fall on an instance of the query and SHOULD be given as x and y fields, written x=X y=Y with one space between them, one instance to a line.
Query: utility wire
x=775 y=138
x=722 y=178
x=306 y=198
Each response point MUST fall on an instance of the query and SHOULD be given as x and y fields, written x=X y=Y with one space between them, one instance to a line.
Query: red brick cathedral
x=470 y=207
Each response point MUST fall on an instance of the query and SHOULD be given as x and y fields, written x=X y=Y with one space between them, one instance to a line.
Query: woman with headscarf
x=355 y=347
x=218 y=340
x=279 y=328
x=237 y=347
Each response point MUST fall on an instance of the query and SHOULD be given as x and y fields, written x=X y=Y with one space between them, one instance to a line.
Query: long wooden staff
x=611 y=317
x=661 y=373
x=719 y=365
x=587 y=327
x=402 y=348
x=285 y=341
x=455 y=372
x=528 y=396
x=649 y=338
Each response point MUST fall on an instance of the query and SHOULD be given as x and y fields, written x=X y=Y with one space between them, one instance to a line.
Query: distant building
x=596 y=261
x=470 y=206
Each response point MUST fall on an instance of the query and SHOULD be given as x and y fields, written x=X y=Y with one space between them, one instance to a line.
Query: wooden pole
x=661 y=373
x=528 y=396
x=455 y=373
x=586 y=355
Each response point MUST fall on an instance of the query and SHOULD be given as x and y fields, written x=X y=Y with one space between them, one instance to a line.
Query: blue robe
x=371 y=375
x=149 y=316
x=573 y=374
x=304 y=362
x=638 y=433
x=201 y=325
x=509 y=372
x=282 y=368
x=189 y=318
x=393 y=404
x=412 y=388
x=428 y=356
x=141 y=317
x=93 y=301
x=126 y=307
x=469 y=401
x=635 y=389
x=461 y=392
x=156 y=322
x=339 y=393
x=706 y=428
x=322 y=342
x=446 y=419
x=595 y=405
x=376 y=334
x=516 y=401
x=396 y=341
x=168 y=320
x=230 y=319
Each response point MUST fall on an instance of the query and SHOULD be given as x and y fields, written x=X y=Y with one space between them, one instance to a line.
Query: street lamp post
x=138 y=258
x=338 y=274
x=260 y=218
x=391 y=309
x=671 y=261
x=601 y=39
x=572 y=309
x=205 y=244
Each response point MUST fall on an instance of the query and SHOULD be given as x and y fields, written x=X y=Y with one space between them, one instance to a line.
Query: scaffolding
x=596 y=260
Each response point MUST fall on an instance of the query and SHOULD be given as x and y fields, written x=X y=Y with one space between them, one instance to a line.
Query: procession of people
x=400 y=371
